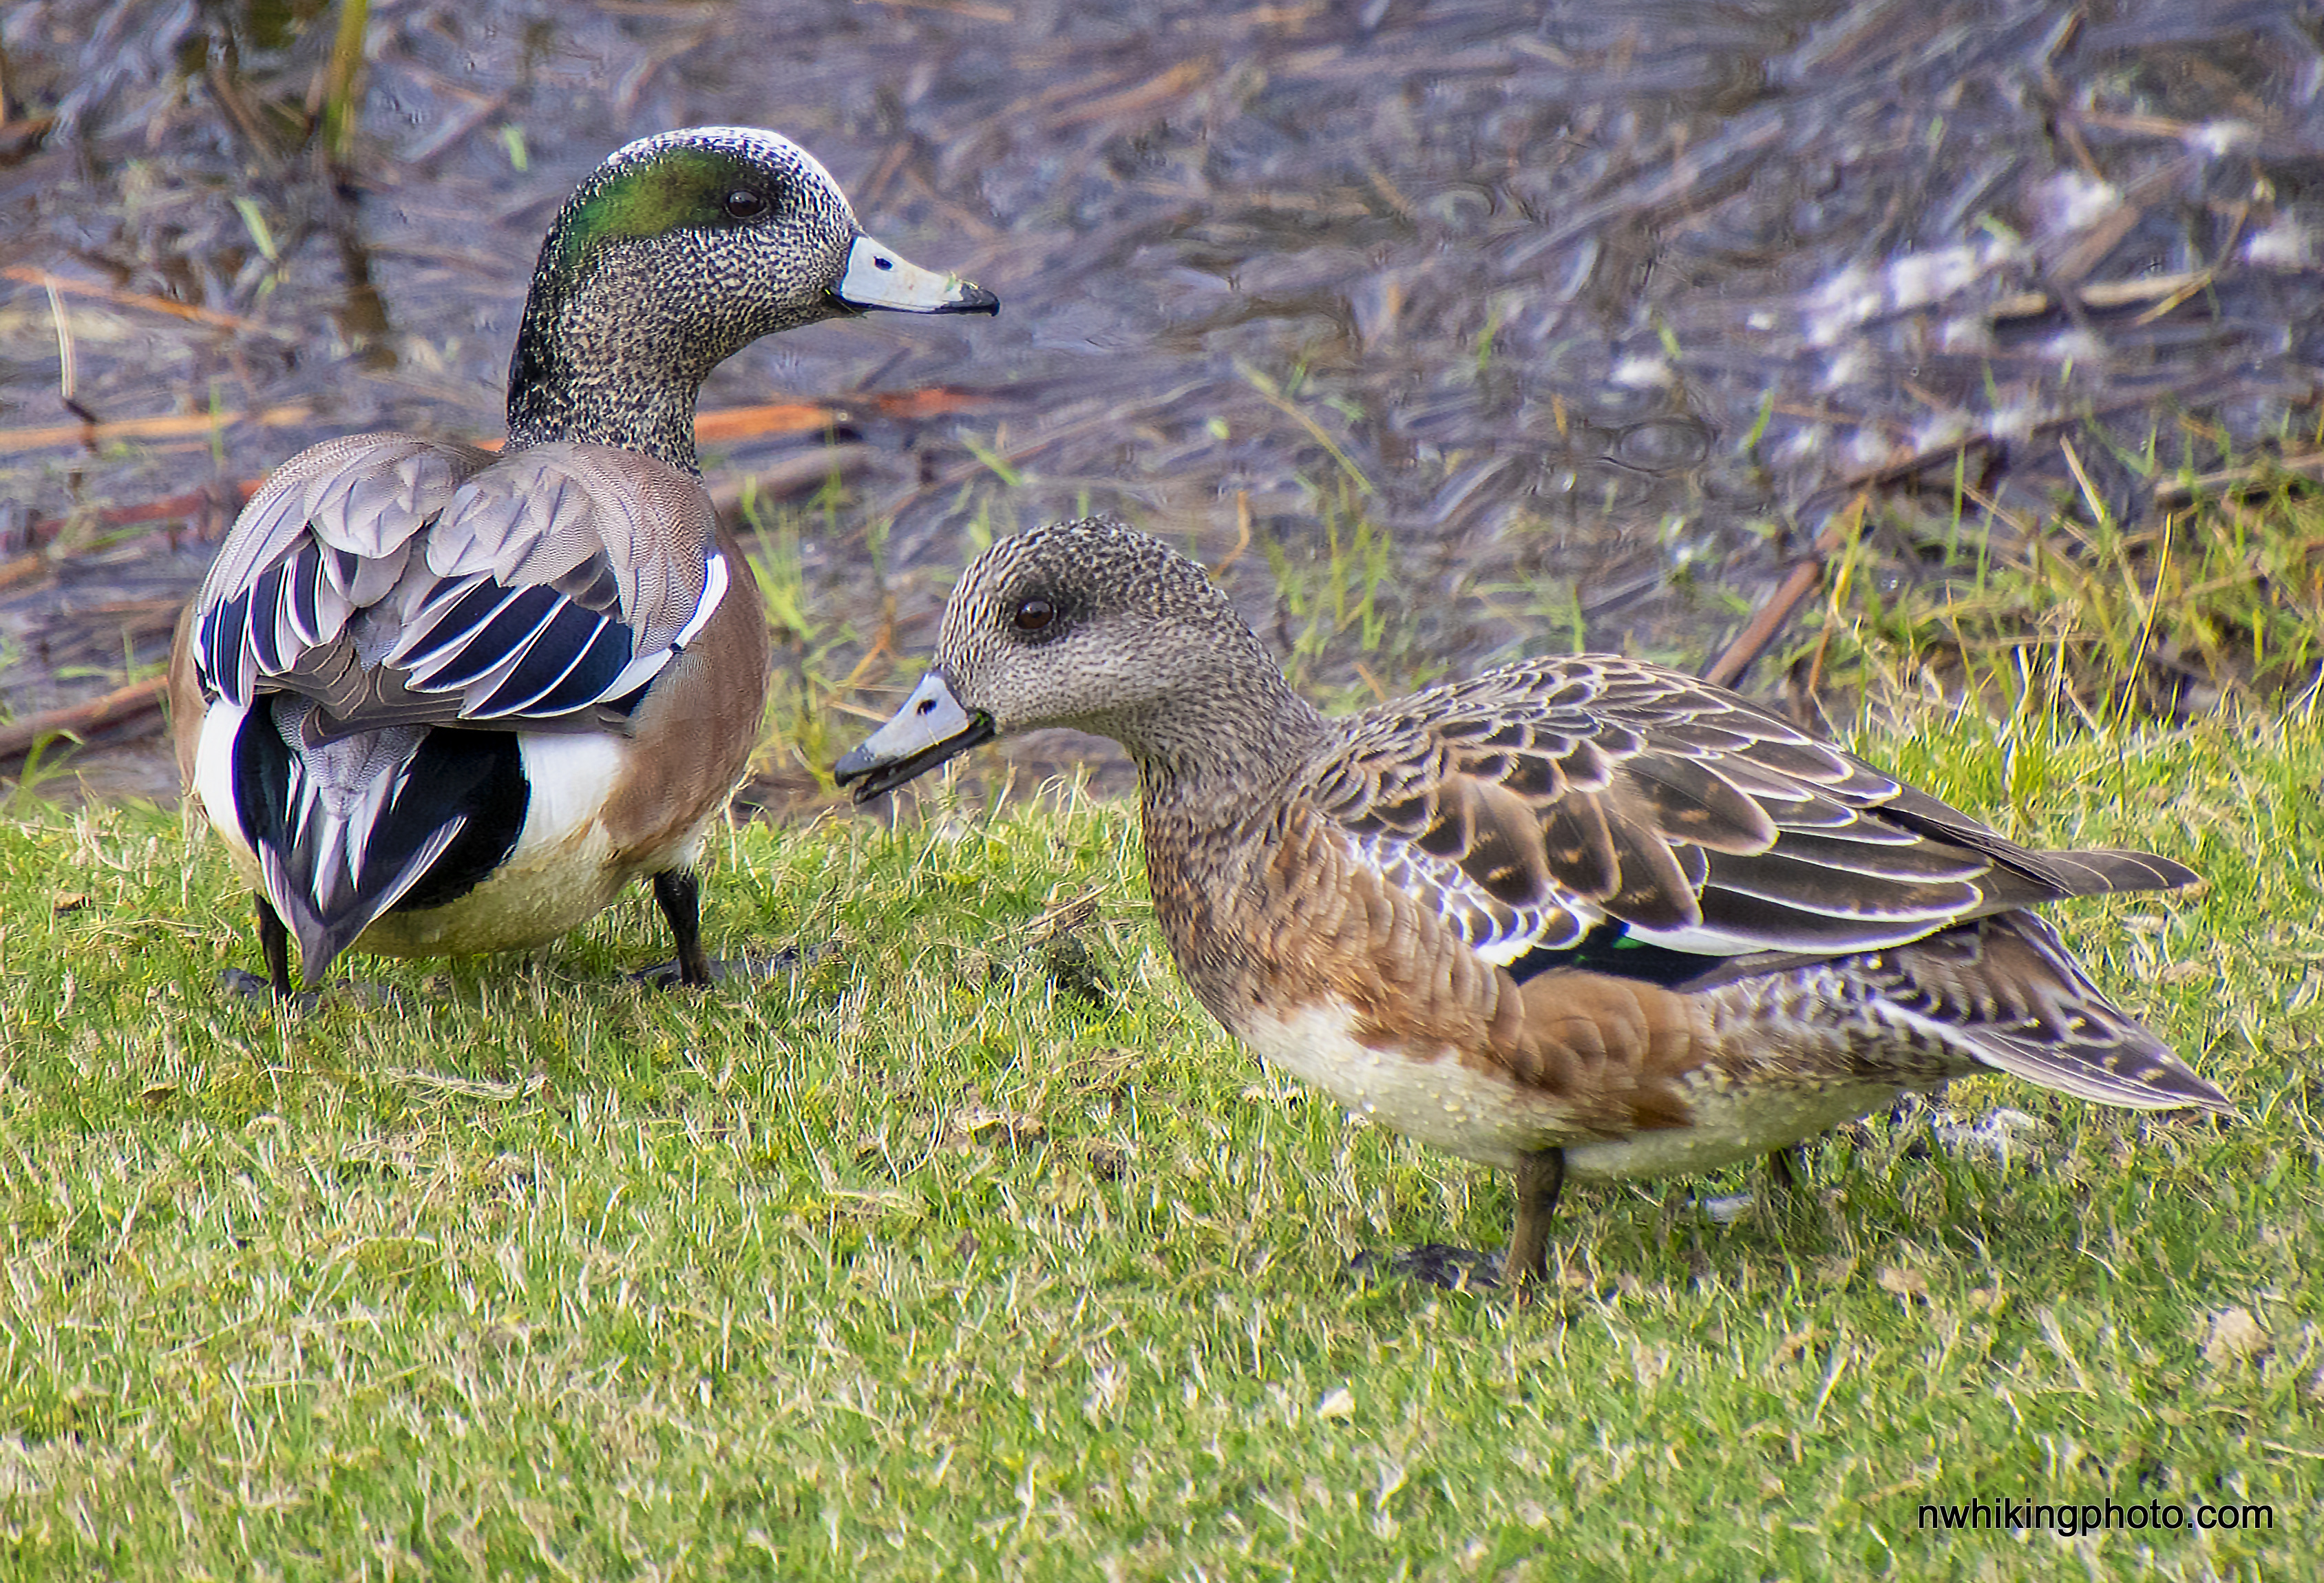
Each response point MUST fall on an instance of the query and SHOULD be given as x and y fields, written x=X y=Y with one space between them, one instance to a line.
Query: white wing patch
x=1495 y=931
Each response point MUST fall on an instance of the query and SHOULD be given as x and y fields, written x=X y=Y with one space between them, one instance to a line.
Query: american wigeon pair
x=439 y=700
x=1578 y=916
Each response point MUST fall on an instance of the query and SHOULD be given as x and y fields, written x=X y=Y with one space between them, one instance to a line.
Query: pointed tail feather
x=2101 y=871
x=2007 y=988
x=323 y=933
x=2138 y=1073
x=344 y=828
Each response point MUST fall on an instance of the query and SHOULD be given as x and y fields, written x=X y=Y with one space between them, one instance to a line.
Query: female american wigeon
x=439 y=700
x=1579 y=915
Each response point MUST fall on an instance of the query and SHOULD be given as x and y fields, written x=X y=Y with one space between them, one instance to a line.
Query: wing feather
x=473 y=661
x=403 y=581
x=563 y=651
x=1535 y=803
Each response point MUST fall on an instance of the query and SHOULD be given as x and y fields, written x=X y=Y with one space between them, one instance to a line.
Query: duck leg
x=1540 y=1178
x=1785 y=1165
x=274 y=942
x=678 y=892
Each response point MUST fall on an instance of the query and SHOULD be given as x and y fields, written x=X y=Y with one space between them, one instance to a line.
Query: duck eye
x=1033 y=614
x=743 y=204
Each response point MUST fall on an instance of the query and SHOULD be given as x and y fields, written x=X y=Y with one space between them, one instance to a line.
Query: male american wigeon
x=438 y=699
x=1577 y=916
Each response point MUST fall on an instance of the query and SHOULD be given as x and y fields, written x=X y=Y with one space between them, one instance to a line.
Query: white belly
x=530 y=899
x=562 y=871
x=1442 y=1103
x=1481 y=1115
x=1727 y=1127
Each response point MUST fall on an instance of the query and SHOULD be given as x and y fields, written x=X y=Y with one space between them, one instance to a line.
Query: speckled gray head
x=674 y=254
x=1088 y=625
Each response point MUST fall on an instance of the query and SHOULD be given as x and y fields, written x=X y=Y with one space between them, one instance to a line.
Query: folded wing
x=1539 y=803
x=398 y=581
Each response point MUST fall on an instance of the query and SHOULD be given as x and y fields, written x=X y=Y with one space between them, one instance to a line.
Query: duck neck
x=603 y=357
x=1204 y=768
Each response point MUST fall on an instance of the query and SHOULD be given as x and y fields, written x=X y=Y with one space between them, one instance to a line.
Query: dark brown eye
x=746 y=205
x=1033 y=614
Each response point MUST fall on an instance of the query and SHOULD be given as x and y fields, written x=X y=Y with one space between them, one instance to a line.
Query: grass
x=969 y=1247
x=2219 y=595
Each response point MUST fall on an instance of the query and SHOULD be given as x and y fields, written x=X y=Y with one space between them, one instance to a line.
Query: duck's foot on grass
x=671 y=975
x=251 y=986
x=1788 y=1191
x=1435 y=1263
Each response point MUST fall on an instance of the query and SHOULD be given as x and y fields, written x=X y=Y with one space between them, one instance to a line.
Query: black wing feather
x=522 y=615
x=547 y=672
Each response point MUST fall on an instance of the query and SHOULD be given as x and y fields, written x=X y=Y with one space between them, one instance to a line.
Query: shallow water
x=1571 y=328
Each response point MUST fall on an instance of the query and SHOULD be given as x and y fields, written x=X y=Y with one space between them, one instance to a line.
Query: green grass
x=971 y=1248
x=2220 y=594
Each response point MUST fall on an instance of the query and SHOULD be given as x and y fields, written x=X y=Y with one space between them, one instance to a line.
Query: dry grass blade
x=29 y=276
x=165 y=426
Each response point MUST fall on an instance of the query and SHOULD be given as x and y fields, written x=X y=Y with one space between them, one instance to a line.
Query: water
x=1566 y=326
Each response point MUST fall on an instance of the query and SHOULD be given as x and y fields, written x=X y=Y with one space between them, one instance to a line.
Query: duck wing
x=398 y=581
x=1595 y=802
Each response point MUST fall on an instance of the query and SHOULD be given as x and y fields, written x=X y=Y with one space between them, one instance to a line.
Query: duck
x=441 y=699
x=1579 y=917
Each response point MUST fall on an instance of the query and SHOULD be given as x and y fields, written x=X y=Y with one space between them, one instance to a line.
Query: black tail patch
x=475 y=779
x=479 y=774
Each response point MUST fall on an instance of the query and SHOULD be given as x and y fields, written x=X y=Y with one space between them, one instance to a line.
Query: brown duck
x=439 y=700
x=1580 y=915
